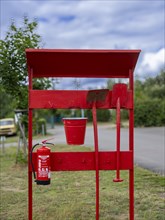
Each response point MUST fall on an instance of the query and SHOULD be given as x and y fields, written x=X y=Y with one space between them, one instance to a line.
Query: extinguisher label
x=43 y=166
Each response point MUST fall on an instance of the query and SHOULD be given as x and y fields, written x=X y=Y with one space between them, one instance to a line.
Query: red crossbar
x=64 y=99
x=77 y=161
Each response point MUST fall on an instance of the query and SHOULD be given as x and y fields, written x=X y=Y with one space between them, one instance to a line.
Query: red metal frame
x=85 y=63
x=30 y=135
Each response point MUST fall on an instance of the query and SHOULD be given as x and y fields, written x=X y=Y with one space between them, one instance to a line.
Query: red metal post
x=131 y=148
x=96 y=158
x=30 y=190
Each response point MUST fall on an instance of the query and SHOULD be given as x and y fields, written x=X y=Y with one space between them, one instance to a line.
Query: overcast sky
x=111 y=24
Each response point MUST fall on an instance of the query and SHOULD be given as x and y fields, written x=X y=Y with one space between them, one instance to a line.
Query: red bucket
x=75 y=130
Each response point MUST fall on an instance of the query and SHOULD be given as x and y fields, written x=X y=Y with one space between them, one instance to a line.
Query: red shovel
x=96 y=98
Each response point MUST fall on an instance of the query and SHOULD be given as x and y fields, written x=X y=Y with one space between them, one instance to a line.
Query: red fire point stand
x=94 y=64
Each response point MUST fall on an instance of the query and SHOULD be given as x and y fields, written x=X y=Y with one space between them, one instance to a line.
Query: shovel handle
x=94 y=114
x=118 y=179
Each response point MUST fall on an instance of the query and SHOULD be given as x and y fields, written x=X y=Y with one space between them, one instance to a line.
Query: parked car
x=7 y=127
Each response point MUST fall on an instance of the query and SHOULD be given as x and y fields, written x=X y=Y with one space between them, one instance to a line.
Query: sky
x=89 y=24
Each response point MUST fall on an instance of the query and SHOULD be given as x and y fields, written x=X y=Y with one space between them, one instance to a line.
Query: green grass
x=11 y=139
x=71 y=195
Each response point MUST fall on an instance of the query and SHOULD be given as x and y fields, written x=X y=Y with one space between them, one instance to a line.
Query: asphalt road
x=149 y=143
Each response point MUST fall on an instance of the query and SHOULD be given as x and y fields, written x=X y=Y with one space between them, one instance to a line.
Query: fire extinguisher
x=42 y=175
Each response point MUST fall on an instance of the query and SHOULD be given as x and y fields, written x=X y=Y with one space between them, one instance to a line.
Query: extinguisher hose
x=50 y=143
x=31 y=160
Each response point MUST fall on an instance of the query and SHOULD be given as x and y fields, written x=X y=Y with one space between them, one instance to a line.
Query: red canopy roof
x=81 y=63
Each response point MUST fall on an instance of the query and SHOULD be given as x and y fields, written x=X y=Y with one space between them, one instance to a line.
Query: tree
x=5 y=107
x=155 y=87
x=13 y=67
x=110 y=84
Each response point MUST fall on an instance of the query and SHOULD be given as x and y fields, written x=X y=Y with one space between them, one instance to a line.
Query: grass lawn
x=71 y=195
x=14 y=139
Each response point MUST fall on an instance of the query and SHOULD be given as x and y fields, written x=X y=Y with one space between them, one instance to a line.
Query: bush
x=149 y=113
x=124 y=114
x=40 y=125
x=37 y=125
x=103 y=115
x=21 y=158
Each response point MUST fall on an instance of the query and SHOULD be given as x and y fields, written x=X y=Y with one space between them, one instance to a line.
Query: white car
x=7 y=127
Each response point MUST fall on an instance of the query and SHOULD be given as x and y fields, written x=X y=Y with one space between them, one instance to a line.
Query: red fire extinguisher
x=42 y=175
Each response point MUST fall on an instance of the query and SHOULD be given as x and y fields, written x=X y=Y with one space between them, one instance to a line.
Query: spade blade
x=97 y=96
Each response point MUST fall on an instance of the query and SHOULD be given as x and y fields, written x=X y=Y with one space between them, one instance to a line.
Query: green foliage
x=124 y=114
x=110 y=83
x=149 y=113
x=6 y=104
x=41 y=124
x=13 y=61
x=149 y=101
x=155 y=87
x=21 y=159
x=139 y=91
x=38 y=122
x=151 y=88
x=103 y=115
x=24 y=122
